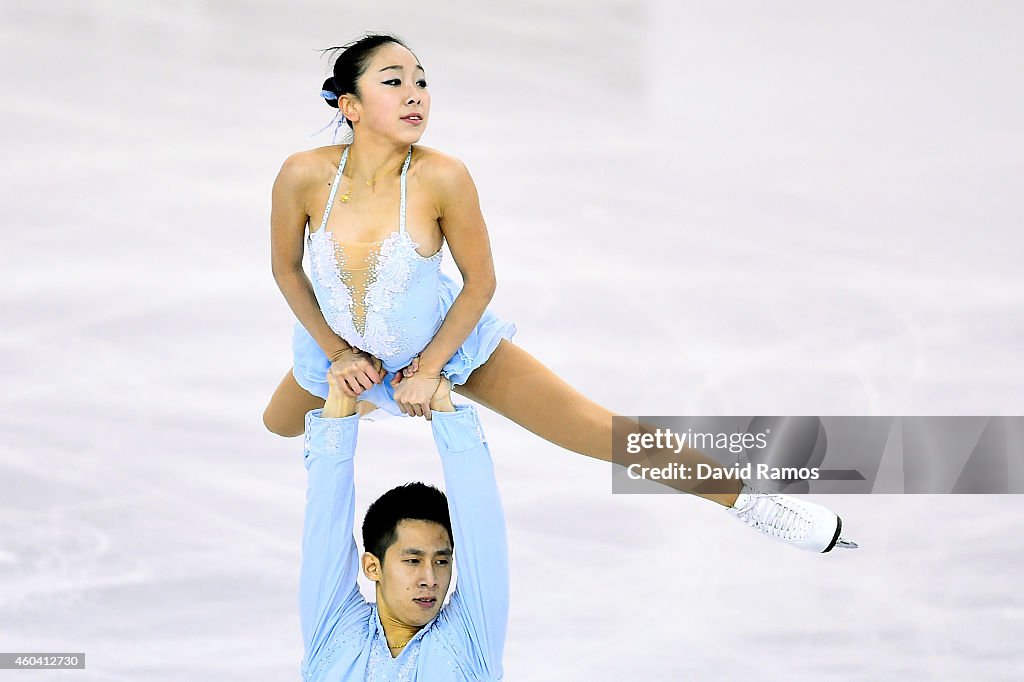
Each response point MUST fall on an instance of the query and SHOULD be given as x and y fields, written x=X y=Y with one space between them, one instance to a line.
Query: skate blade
x=846 y=544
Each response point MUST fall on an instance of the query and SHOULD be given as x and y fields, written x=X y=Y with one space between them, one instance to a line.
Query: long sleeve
x=479 y=604
x=328 y=593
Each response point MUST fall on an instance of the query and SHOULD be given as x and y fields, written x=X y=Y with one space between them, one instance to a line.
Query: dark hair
x=412 y=501
x=351 y=64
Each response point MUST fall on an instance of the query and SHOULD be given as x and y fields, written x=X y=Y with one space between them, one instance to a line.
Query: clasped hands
x=356 y=371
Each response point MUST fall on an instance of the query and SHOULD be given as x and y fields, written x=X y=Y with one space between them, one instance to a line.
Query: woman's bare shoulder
x=445 y=173
x=310 y=166
x=438 y=165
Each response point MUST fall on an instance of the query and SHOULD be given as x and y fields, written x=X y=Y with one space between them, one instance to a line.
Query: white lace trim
x=393 y=269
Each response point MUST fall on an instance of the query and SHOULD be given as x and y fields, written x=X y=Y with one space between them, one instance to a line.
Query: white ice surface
x=695 y=208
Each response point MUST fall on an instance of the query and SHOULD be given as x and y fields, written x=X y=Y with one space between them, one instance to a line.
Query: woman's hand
x=356 y=371
x=413 y=394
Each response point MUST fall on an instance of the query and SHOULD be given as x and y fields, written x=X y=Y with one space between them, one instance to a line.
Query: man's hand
x=339 y=402
x=407 y=371
x=441 y=401
x=356 y=371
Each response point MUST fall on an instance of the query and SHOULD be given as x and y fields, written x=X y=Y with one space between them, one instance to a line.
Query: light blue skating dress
x=388 y=300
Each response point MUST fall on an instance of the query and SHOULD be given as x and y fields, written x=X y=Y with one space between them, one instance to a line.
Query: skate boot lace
x=773 y=515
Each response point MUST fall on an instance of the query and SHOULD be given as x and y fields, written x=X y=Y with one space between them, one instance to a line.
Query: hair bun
x=329 y=92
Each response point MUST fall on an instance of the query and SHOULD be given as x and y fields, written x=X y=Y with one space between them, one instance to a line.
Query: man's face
x=416 y=572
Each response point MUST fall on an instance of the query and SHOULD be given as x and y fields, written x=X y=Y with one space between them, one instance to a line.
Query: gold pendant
x=344 y=198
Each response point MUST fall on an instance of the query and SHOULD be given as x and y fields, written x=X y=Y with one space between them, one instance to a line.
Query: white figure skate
x=802 y=524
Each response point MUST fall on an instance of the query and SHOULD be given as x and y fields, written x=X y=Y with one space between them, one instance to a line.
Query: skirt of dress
x=310 y=365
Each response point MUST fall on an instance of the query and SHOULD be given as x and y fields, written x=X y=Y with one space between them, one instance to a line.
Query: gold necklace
x=372 y=183
x=346 y=195
x=402 y=645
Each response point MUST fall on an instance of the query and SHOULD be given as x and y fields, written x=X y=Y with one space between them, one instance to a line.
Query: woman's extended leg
x=516 y=385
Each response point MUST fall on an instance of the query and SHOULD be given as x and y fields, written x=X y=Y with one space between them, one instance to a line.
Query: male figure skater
x=409 y=539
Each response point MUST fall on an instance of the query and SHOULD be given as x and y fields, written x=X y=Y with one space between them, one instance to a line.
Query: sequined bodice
x=381 y=297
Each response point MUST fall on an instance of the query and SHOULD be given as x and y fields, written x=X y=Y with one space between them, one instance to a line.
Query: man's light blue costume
x=344 y=639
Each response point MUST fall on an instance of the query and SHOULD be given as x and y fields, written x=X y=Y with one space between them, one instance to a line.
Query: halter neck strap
x=337 y=181
x=405 y=168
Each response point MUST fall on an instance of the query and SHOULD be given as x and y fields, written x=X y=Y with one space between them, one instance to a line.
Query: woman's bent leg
x=286 y=413
x=516 y=385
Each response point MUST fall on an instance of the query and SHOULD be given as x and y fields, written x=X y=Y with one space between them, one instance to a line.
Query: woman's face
x=392 y=92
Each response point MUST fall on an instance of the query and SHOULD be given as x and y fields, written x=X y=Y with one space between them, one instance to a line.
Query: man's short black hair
x=413 y=501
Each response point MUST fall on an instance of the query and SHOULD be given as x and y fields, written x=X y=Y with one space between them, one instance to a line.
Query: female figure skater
x=384 y=206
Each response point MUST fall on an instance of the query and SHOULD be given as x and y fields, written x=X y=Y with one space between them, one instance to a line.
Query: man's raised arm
x=329 y=596
x=480 y=601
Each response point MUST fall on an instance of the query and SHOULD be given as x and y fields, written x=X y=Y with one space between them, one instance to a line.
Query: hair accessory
x=327 y=94
x=337 y=121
